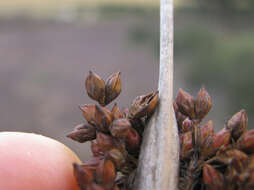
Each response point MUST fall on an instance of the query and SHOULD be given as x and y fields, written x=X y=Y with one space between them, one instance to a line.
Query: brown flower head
x=113 y=87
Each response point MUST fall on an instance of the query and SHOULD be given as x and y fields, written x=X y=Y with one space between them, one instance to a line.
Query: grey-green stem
x=159 y=160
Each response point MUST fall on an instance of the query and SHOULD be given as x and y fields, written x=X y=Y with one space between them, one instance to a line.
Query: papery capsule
x=132 y=140
x=206 y=130
x=226 y=156
x=113 y=87
x=203 y=104
x=143 y=105
x=221 y=138
x=88 y=111
x=117 y=157
x=83 y=133
x=186 y=144
x=246 y=142
x=212 y=178
x=95 y=87
x=84 y=176
x=106 y=173
x=103 y=118
x=116 y=112
x=186 y=103
x=104 y=142
x=120 y=128
x=238 y=124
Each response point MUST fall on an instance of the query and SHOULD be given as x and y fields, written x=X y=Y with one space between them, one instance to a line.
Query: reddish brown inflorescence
x=115 y=135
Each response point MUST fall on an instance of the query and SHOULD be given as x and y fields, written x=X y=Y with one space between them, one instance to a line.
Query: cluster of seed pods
x=115 y=135
x=209 y=160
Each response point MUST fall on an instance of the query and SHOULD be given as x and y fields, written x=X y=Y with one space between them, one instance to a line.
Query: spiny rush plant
x=208 y=160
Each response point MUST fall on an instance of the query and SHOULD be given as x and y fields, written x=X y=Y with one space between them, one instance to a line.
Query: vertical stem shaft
x=159 y=159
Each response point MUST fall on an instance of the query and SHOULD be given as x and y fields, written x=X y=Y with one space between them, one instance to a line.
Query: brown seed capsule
x=186 y=144
x=106 y=173
x=117 y=157
x=186 y=125
x=132 y=140
x=116 y=112
x=180 y=118
x=103 y=118
x=186 y=103
x=212 y=178
x=203 y=103
x=221 y=138
x=92 y=163
x=227 y=156
x=83 y=133
x=238 y=124
x=88 y=111
x=113 y=87
x=105 y=142
x=84 y=176
x=95 y=87
x=206 y=130
x=96 y=149
x=246 y=142
x=120 y=128
x=143 y=105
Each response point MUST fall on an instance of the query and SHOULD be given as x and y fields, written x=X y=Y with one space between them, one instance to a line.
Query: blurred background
x=48 y=47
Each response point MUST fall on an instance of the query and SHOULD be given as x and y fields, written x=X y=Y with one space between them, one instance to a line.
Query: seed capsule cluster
x=115 y=135
x=209 y=160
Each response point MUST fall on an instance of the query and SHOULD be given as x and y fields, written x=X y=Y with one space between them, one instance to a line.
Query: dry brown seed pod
x=246 y=141
x=212 y=178
x=83 y=133
x=143 y=105
x=84 y=176
x=226 y=156
x=133 y=140
x=117 y=157
x=116 y=112
x=206 y=130
x=186 y=103
x=113 y=87
x=104 y=142
x=96 y=149
x=186 y=125
x=186 y=144
x=120 y=128
x=203 y=104
x=106 y=173
x=221 y=138
x=95 y=87
x=103 y=118
x=238 y=124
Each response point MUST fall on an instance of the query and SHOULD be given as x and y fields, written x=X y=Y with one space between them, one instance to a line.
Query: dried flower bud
x=221 y=138
x=226 y=156
x=106 y=173
x=186 y=125
x=246 y=142
x=186 y=144
x=132 y=140
x=96 y=149
x=116 y=112
x=203 y=103
x=103 y=118
x=83 y=133
x=206 y=130
x=95 y=87
x=120 y=128
x=143 y=105
x=212 y=178
x=117 y=157
x=186 y=103
x=180 y=118
x=238 y=123
x=113 y=87
x=88 y=111
x=84 y=176
x=105 y=142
